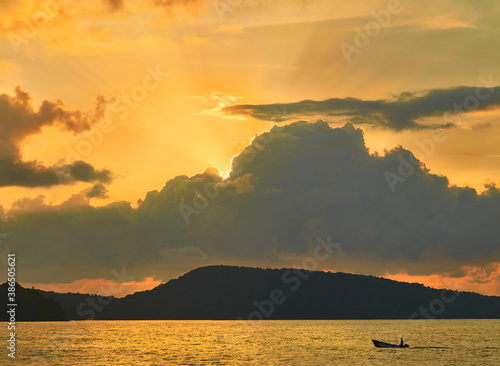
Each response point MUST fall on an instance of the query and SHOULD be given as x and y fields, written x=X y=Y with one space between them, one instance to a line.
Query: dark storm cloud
x=114 y=4
x=19 y=120
x=403 y=112
x=291 y=185
x=97 y=191
x=83 y=172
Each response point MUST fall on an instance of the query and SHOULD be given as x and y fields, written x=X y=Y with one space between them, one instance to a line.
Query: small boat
x=388 y=345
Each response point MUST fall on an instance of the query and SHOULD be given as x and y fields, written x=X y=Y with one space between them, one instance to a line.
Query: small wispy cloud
x=215 y=102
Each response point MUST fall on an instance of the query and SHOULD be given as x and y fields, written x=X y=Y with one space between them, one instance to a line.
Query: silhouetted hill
x=79 y=306
x=31 y=306
x=226 y=292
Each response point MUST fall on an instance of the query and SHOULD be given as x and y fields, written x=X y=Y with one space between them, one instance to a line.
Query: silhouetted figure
x=402 y=343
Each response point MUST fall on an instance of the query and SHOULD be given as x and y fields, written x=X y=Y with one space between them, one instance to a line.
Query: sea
x=269 y=342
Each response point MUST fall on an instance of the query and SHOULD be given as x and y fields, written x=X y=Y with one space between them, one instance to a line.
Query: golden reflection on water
x=287 y=342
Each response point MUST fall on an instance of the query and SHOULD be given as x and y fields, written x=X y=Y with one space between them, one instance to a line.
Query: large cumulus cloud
x=18 y=120
x=289 y=186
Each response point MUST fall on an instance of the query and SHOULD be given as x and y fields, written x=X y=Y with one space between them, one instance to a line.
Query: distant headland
x=231 y=292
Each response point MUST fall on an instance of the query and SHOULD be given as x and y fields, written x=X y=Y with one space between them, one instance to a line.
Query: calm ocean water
x=287 y=342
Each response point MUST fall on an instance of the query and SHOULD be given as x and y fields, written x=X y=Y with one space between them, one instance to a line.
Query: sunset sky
x=373 y=123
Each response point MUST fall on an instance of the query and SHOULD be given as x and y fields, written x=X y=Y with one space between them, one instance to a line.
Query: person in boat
x=402 y=343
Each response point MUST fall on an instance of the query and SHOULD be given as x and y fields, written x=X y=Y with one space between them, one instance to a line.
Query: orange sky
x=82 y=51
x=170 y=69
x=474 y=279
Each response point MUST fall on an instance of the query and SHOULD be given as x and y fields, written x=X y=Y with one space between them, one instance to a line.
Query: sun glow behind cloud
x=260 y=52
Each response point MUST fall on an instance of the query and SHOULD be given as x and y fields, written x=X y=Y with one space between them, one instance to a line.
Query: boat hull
x=387 y=345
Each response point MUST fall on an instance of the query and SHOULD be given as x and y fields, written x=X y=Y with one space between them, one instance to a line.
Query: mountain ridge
x=233 y=292
x=31 y=305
